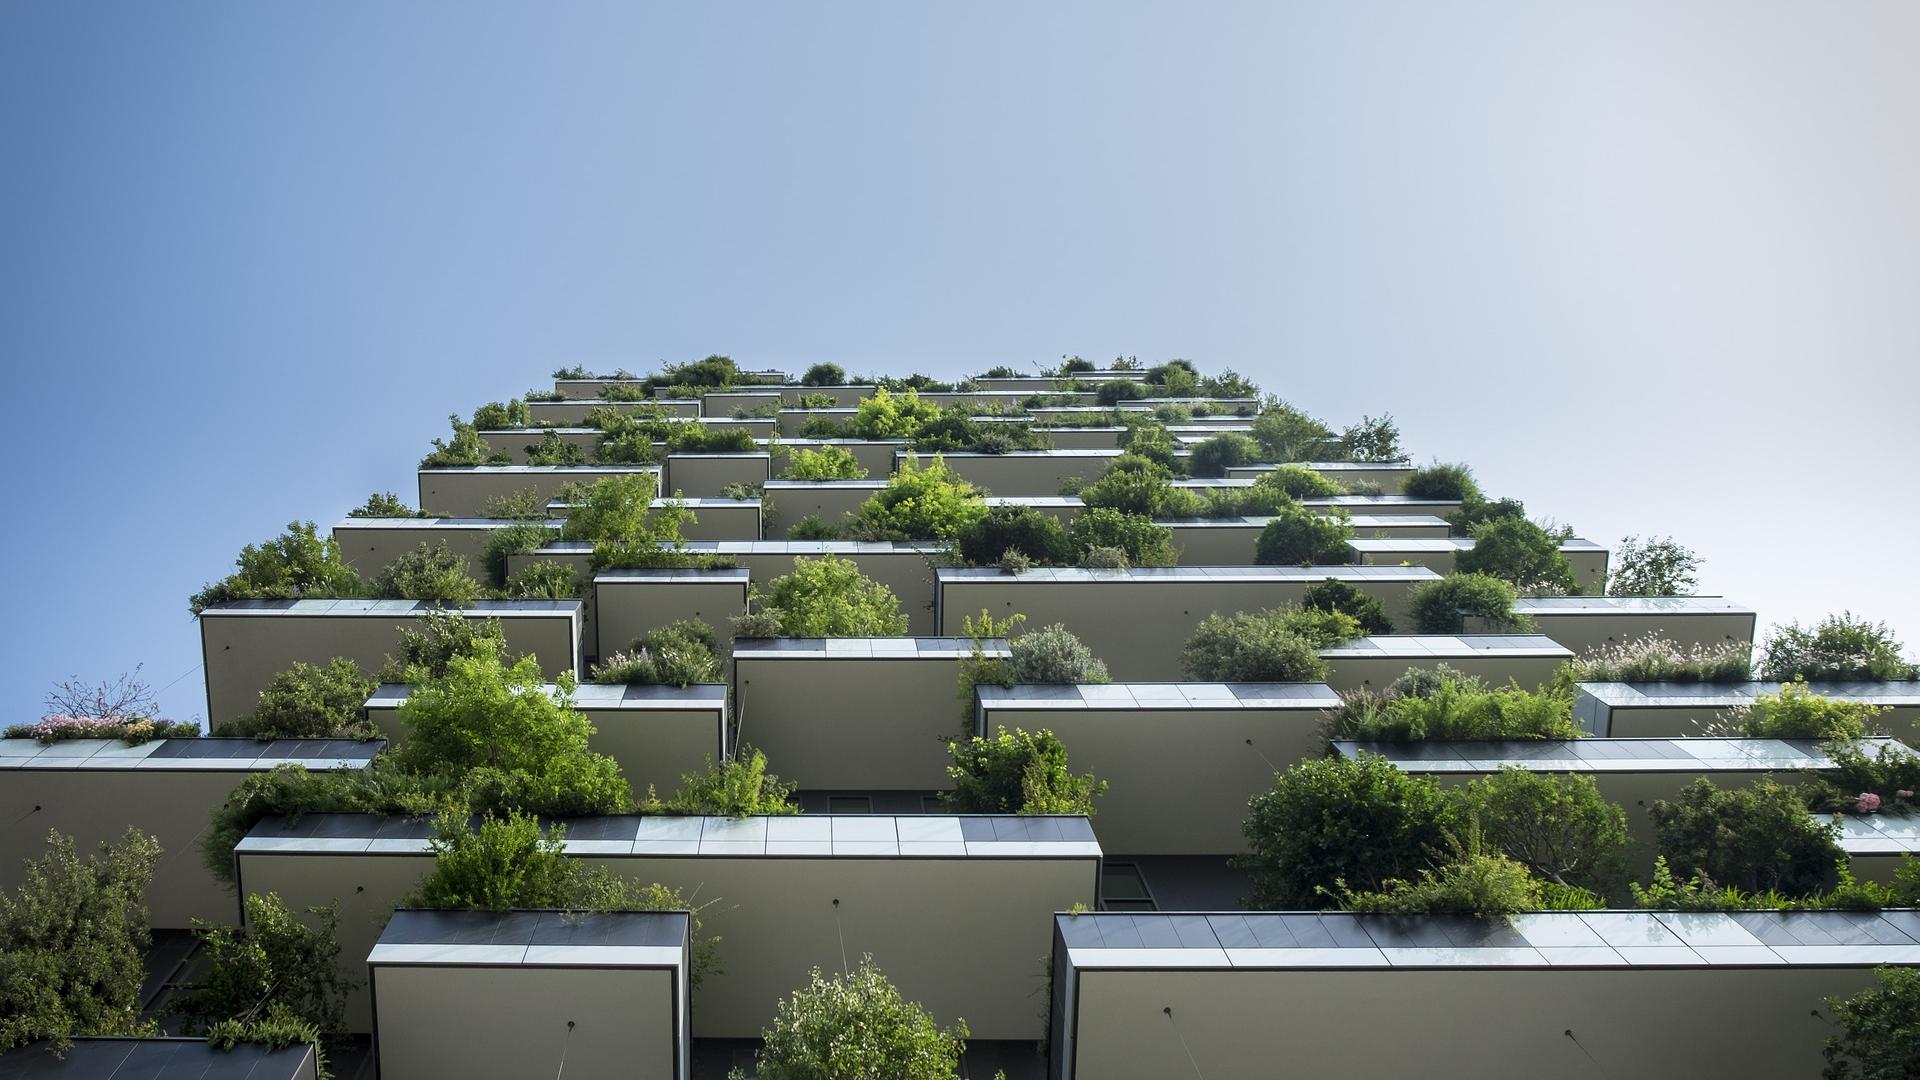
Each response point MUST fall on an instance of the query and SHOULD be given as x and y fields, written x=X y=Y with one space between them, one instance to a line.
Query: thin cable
x=180 y=676
x=843 y=937
x=1183 y=1042
x=1263 y=757
x=562 y=1070
x=27 y=815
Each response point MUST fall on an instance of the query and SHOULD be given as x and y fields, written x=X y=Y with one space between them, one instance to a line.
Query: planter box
x=245 y=644
x=954 y=907
x=1878 y=845
x=1650 y=994
x=705 y=476
x=1044 y=384
x=855 y=714
x=786 y=502
x=1182 y=759
x=1138 y=620
x=1355 y=505
x=1390 y=475
x=628 y=603
x=163 y=1056
x=516 y=440
x=947 y=399
x=842 y=395
x=1584 y=623
x=656 y=733
x=874 y=455
x=721 y=404
x=575 y=411
x=466 y=492
x=1588 y=559
x=713 y=519
x=1027 y=472
x=1495 y=659
x=369 y=545
x=1103 y=437
x=90 y=789
x=1061 y=508
x=793 y=420
x=507 y=995
x=1231 y=541
x=1679 y=709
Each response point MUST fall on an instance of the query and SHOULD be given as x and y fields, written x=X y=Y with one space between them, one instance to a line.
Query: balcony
x=706 y=476
x=1028 y=472
x=1588 y=559
x=1636 y=710
x=1585 y=623
x=467 y=492
x=628 y=603
x=1390 y=475
x=575 y=411
x=1372 y=663
x=1231 y=541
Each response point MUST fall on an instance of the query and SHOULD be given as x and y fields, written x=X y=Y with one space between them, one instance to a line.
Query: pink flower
x=1903 y=793
x=1867 y=802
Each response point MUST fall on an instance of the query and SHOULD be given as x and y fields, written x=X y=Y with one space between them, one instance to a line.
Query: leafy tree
x=1020 y=772
x=1251 y=647
x=930 y=503
x=1880 y=1030
x=1147 y=492
x=465 y=450
x=436 y=637
x=1346 y=598
x=438 y=574
x=826 y=463
x=299 y=562
x=1037 y=535
x=886 y=415
x=1798 y=713
x=856 y=1027
x=1299 y=537
x=1520 y=553
x=71 y=940
x=1222 y=452
x=1052 y=654
x=496 y=416
x=1328 y=822
x=830 y=597
x=1372 y=439
x=1654 y=567
x=824 y=375
x=741 y=786
x=1287 y=434
x=617 y=508
x=309 y=701
x=1558 y=826
x=1143 y=542
x=1454 y=483
x=1838 y=647
x=385 y=505
x=277 y=960
x=1444 y=606
x=1754 y=838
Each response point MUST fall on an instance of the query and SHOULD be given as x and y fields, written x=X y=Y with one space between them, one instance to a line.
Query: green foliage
x=1654 y=658
x=1701 y=893
x=497 y=416
x=1299 y=482
x=738 y=787
x=1798 y=713
x=71 y=940
x=310 y=702
x=1254 y=500
x=1017 y=773
x=829 y=597
x=1143 y=542
x=930 y=503
x=1149 y=439
x=955 y=430
x=1482 y=884
x=297 y=563
x=1521 y=553
x=1838 y=647
x=1146 y=492
x=552 y=449
x=677 y=654
x=856 y=1027
x=1035 y=534
x=1755 y=838
x=1112 y=393
x=1332 y=823
x=1891 y=775
x=716 y=372
x=522 y=504
x=1052 y=654
x=1454 y=483
x=545 y=581
x=386 y=505
x=1222 y=452
x=1444 y=606
x=623 y=392
x=1879 y=1035
x=1299 y=537
x=278 y=1028
x=886 y=415
x=812 y=528
x=1345 y=597
x=627 y=437
x=438 y=574
x=1654 y=567
x=616 y=509
x=577 y=371
x=1558 y=826
x=710 y=439
x=278 y=961
x=1372 y=439
x=465 y=450
x=1257 y=646
x=1455 y=707
x=1287 y=434
x=824 y=375
x=826 y=463
x=818 y=401
x=435 y=638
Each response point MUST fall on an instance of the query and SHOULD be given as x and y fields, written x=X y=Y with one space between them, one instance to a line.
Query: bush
x=615 y=509
x=1521 y=553
x=1287 y=434
x=1299 y=482
x=824 y=375
x=1880 y=1029
x=812 y=528
x=465 y=450
x=739 y=787
x=554 y=450
x=856 y=1025
x=1654 y=567
x=1477 y=883
x=1052 y=654
x=1798 y=713
x=930 y=503
x=1890 y=777
x=1250 y=647
x=1838 y=648
x=1558 y=826
x=1372 y=439
x=1148 y=440
x=1146 y=492
x=1328 y=822
x=496 y=416
x=1253 y=500
x=441 y=636
x=1018 y=773
x=677 y=654
x=1322 y=629
x=1454 y=707
x=1658 y=659
x=386 y=505
x=1105 y=558
x=1034 y=534
x=1754 y=838
x=1145 y=543
x=1444 y=606
x=1112 y=393
x=519 y=538
x=297 y=563
x=310 y=702
x=277 y=960
x=826 y=463
x=1345 y=597
x=710 y=439
x=1299 y=537
x=438 y=574
x=545 y=581
x=1454 y=483
x=886 y=415
x=830 y=597
x=1222 y=452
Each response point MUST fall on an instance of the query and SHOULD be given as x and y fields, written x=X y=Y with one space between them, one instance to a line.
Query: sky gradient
x=1651 y=267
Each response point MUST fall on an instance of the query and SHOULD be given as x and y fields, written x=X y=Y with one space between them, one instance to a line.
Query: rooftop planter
x=1495 y=659
x=1230 y=541
x=1138 y=620
x=1584 y=623
x=724 y=403
x=1588 y=559
x=957 y=905
x=466 y=492
x=706 y=476
x=1029 y=472
x=787 y=502
x=575 y=411
x=1677 y=709
x=1390 y=475
x=843 y=396
x=1355 y=505
x=1045 y=384
x=90 y=789
x=874 y=455
x=1091 y=437
x=93 y=1058
x=713 y=519
x=245 y=644
x=1646 y=993
x=656 y=733
x=510 y=994
x=793 y=419
x=854 y=713
x=628 y=603
x=1181 y=759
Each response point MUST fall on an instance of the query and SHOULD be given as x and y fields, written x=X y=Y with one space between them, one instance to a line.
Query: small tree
x=310 y=702
x=930 y=503
x=1880 y=1029
x=1444 y=606
x=1520 y=553
x=1139 y=539
x=986 y=540
x=856 y=1027
x=1345 y=597
x=278 y=959
x=826 y=374
x=1754 y=838
x=1251 y=647
x=438 y=574
x=1838 y=647
x=1656 y=566
x=1148 y=492
x=1287 y=434
x=299 y=562
x=830 y=597
x=1018 y=773
x=1359 y=821
x=1453 y=483
x=617 y=509
x=1299 y=537
x=1222 y=452
x=1798 y=713
x=1558 y=826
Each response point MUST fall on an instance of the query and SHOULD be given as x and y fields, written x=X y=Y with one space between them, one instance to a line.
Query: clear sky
x=1651 y=267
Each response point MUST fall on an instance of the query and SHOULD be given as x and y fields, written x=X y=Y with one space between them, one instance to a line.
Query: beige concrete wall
x=852 y=724
x=908 y=573
x=874 y=456
x=1582 y=633
x=466 y=492
x=721 y=404
x=371 y=550
x=703 y=476
x=1348 y=673
x=575 y=412
x=1025 y=474
x=629 y=607
x=830 y=500
x=843 y=396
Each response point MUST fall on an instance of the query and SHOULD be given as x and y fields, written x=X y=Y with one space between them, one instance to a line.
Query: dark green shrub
x=855 y=1025
x=438 y=574
x=930 y=503
x=1558 y=826
x=1072 y=365
x=1653 y=567
x=498 y=416
x=812 y=528
x=1052 y=654
x=1880 y=1029
x=1754 y=838
x=1346 y=598
x=1372 y=439
x=279 y=959
x=738 y=787
x=297 y=563
x=386 y=505
x=829 y=597
x=1451 y=482
x=1521 y=553
x=1299 y=482
x=710 y=439
x=436 y=637
x=1287 y=434
x=1143 y=542
x=1299 y=537
x=1109 y=394
x=1018 y=773
x=544 y=581
x=824 y=375
x=1444 y=606
x=677 y=654
x=1222 y=452
x=1254 y=500
x=1035 y=534
x=1250 y=647
x=1838 y=647
x=554 y=450
x=310 y=702
x=716 y=372
x=1454 y=707
x=1476 y=511
x=1148 y=439
x=1481 y=884
x=465 y=450
x=1146 y=492
x=1358 y=822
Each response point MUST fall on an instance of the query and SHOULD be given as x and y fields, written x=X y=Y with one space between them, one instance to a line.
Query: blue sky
x=1651 y=267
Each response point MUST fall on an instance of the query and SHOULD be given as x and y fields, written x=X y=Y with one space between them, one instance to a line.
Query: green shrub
x=1222 y=452
x=1798 y=713
x=386 y=505
x=1052 y=654
x=1838 y=648
x=279 y=959
x=1654 y=567
x=623 y=392
x=276 y=1029
x=1019 y=773
x=1253 y=500
x=930 y=503
x=436 y=637
x=1299 y=482
x=1105 y=558
x=1444 y=606
x=824 y=375
x=465 y=450
x=1346 y=598
x=1033 y=533
x=1142 y=492
x=554 y=450
x=678 y=654
x=71 y=940
x=1143 y=542
x=1372 y=439
x=1654 y=658
x=1250 y=647
x=522 y=505
x=1148 y=439
x=1521 y=553
x=1481 y=884
x=310 y=702
x=886 y=415
x=438 y=574
x=1328 y=822
x=1112 y=393
x=954 y=430
x=1299 y=537
x=545 y=581
x=1454 y=483
x=617 y=509
x=817 y=401
x=496 y=416
x=812 y=528
x=577 y=371
x=297 y=563
x=738 y=787
x=1454 y=707
x=1287 y=434
x=1891 y=776
x=1880 y=1029
x=1558 y=826
x=826 y=463
x=1754 y=838
x=829 y=597
x=1477 y=511
x=855 y=1025
x=627 y=438
x=710 y=439
x=1321 y=628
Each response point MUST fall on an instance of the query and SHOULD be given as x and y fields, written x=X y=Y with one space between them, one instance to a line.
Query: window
x=849 y=804
x=1123 y=889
